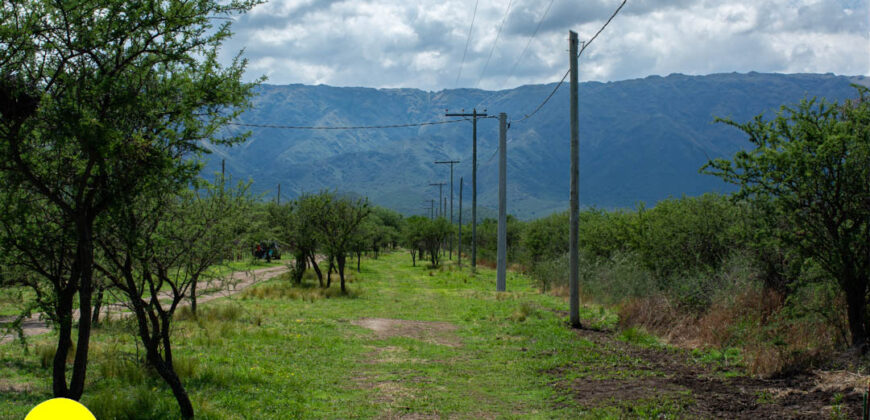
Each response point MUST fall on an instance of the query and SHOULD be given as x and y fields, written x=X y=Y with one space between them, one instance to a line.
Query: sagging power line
x=583 y=48
x=494 y=43
x=522 y=53
x=467 y=41
x=353 y=127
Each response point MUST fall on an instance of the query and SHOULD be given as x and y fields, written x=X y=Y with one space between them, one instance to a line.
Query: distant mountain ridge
x=640 y=140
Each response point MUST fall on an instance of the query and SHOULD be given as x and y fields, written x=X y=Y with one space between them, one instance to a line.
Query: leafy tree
x=812 y=164
x=303 y=235
x=412 y=236
x=97 y=100
x=153 y=251
x=434 y=234
x=336 y=221
x=392 y=223
x=546 y=238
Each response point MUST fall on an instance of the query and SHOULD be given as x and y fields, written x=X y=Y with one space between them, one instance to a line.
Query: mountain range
x=641 y=140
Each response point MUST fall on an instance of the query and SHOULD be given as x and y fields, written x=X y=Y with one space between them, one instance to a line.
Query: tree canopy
x=812 y=164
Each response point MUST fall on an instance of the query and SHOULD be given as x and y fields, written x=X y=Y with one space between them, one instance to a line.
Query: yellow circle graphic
x=60 y=409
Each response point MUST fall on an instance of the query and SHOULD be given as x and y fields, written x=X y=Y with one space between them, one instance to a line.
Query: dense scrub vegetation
x=103 y=124
x=779 y=269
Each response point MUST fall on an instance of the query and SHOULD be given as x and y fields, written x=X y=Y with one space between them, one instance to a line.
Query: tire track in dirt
x=670 y=373
x=231 y=285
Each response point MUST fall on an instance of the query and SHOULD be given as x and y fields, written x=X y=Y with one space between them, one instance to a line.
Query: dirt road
x=235 y=283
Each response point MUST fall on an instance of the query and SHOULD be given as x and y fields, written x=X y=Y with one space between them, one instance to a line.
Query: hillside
x=641 y=140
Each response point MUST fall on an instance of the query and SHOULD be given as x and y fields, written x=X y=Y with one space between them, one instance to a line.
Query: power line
x=467 y=41
x=357 y=127
x=527 y=116
x=585 y=44
x=497 y=35
x=523 y=53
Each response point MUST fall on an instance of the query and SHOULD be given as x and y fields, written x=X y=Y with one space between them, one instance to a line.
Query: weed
x=524 y=310
x=837 y=408
x=764 y=397
x=130 y=402
x=638 y=337
x=304 y=292
x=45 y=353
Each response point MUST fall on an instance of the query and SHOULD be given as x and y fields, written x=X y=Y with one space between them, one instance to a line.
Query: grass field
x=408 y=342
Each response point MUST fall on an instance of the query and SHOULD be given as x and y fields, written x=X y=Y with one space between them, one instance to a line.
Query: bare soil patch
x=393 y=392
x=672 y=372
x=428 y=331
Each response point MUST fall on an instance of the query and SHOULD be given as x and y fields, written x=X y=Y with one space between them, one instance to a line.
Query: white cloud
x=395 y=43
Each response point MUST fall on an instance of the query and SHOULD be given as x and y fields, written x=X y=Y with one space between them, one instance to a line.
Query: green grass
x=284 y=351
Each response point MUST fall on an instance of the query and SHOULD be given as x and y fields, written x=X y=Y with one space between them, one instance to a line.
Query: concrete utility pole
x=428 y=205
x=459 y=250
x=474 y=116
x=575 y=195
x=501 y=283
x=451 y=162
x=444 y=208
x=440 y=189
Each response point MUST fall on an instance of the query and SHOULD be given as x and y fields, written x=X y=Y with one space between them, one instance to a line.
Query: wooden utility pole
x=451 y=162
x=432 y=209
x=474 y=116
x=459 y=248
x=440 y=195
x=279 y=194
x=574 y=261
x=501 y=283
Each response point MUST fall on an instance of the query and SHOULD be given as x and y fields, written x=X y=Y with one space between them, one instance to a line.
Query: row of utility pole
x=502 y=184
x=574 y=196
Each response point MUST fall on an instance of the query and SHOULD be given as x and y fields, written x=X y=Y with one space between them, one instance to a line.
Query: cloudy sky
x=421 y=44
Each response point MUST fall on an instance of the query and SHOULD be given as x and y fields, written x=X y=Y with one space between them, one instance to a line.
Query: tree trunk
x=329 y=273
x=193 y=299
x=163 y=365
x=98 y=306
x=85 y=262
x=64 y=343
x=168 y=374
x=413 y=258
x=341 y=261
x=166 y=370
x=857 y=309
x=358 y=257
x=300 y=264
x=316 y=268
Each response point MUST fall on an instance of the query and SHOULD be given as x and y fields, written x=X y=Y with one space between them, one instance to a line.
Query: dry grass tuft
x=755 y=320
x=304 y=292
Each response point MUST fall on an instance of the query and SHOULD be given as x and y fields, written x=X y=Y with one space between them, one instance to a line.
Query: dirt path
x=231 y=285
x=671 y=374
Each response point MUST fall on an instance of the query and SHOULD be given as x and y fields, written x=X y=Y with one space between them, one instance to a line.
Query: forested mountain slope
x=641 y=140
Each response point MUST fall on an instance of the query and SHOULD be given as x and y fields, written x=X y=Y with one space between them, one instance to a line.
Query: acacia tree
x=812 y=164
x=155 y=251
x=303 y=233
x=412 y=236
x=209 y=222
x=336 y=221
x=97 y=100
x=434 y=234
